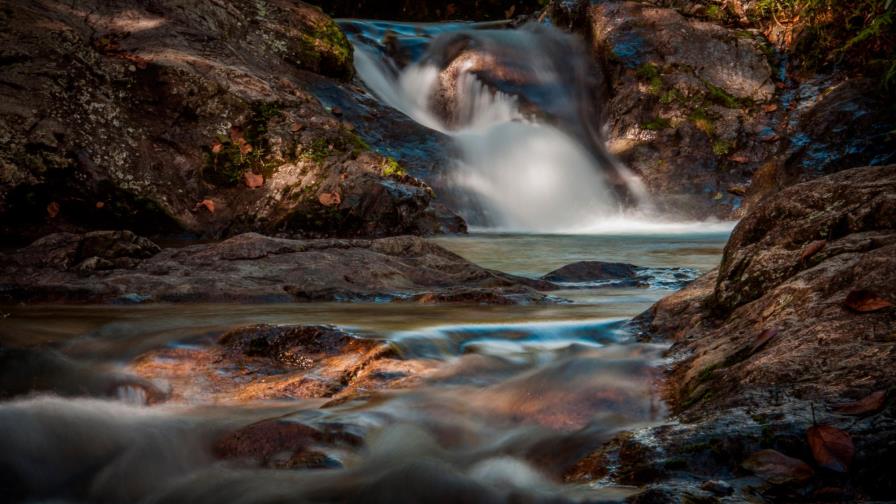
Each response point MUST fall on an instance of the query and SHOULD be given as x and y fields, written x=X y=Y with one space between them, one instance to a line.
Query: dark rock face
x=411 y=10
x=798 y=317
x=686 y=103
x=251 y=268
x=188 y=118
x=586 y=271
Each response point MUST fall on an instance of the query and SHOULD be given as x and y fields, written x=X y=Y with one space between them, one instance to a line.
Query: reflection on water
x=511 y=396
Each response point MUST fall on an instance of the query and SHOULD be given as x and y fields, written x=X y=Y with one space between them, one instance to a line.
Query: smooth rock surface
x=252 y=268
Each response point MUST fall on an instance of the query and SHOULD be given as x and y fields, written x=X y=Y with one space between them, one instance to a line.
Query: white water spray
x=523 y=174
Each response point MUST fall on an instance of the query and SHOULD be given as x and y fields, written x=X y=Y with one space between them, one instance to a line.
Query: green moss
x=391 y=167
x=671 y=96
x=327 y=49
x=657 y=124
x=317 y=151
x=702 y=120
x=721 y=147
x=721 y=97
x=706 y=373
x=650 y=73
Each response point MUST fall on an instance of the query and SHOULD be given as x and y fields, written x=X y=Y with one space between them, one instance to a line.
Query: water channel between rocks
x=503 y=398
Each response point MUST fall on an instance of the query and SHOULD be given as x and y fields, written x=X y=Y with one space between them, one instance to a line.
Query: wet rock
x=718 y=487
x=253 y=268
x=264 y=362
x=742 y=401
x=586 y=271
x=282 y=444
x=684 y=103
x=119 y=115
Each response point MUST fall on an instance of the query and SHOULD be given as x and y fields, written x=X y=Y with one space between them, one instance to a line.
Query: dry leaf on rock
x=53 y=210
x=253 y=180
x=872 y=403
x=832 y=448
x=330 y=199
x=812 y=248
x=865 y=301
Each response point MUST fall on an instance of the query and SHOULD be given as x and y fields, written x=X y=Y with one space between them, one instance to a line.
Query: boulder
x=801 y=302
x=253 y=268
x=589 y=271
x=267 y=362
x=196 y=119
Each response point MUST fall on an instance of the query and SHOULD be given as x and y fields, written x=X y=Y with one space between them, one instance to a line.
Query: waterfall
x=520 y=107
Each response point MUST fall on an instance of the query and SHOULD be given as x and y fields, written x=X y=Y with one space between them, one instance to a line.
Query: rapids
x=518 y=393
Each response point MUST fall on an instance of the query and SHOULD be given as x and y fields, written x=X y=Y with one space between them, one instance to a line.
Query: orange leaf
x=53 y=210
x=777 y=468
x=207 y=204
x=872 y=403
x=330 y=199
x=865 y=301
x=100 y=204
x=771 y=107
x=763 y=338
x=296 y=127
x=216 y=147
x=812 y=248
x=832 y=448
x=253 y=180
x=245 y=148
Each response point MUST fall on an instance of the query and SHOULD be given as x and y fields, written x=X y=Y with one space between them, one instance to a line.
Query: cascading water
x=519 y=105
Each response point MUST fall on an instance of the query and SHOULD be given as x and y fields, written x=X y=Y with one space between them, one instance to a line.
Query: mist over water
x=537 y=166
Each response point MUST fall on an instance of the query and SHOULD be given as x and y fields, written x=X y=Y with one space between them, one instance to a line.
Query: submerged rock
x=585 y=274
x=254 y=268
x=198 y=119
x=586 y=271
x=265 y=362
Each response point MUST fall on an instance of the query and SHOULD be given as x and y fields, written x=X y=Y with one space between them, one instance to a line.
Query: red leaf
x=777 y=468
x=217 y=147
x=812 y=248
x=207 y=204
x=872 y=403
x=832 y=448
x=763 y=338
x=253 y=180
x=53 y=210
x=865 y=301
x=330 y=199
x=236 y=135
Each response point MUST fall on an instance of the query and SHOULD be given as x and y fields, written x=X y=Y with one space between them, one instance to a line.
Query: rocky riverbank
x=781 y=363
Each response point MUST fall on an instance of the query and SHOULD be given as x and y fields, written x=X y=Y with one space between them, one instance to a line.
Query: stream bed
x=508 y=399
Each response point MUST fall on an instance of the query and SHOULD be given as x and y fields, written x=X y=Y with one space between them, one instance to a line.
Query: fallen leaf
x=53 y=210
x=812 y=248
x=865 y=301
x=763 y=339
x=330 y=199
x=872 y=403
x=771 y=107
x=208 y=204
x=777 y=468
x=739 y=159
x=100 y=204
x=253 y=180
x=296 y=127
x=217 y=147
x=245 y=148
x=832 y=448
x=779 y=85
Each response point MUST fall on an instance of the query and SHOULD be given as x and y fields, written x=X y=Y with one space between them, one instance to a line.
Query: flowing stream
x=512 y=394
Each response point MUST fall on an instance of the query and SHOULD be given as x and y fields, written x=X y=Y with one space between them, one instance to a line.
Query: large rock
x=265 y=362
x=252 y=268
x=686 y=104
x=792 y=304
x=197 y=118
x=794 y=331
x=415 y=10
